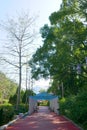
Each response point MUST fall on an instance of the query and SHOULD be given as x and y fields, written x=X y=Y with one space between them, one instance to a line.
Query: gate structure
x=53 y=100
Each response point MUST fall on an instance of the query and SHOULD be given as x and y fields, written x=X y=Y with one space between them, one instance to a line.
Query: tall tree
x=62 y=49
x=21 y=34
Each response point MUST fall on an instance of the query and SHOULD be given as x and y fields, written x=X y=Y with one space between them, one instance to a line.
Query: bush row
x=7 y=112
x=75 y=108
x=22 y=109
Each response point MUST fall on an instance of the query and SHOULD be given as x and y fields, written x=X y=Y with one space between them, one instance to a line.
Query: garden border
x=3 y=127
x=73 y=122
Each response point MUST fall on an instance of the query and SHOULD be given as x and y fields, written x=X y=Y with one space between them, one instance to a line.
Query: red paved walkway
x=43 y=120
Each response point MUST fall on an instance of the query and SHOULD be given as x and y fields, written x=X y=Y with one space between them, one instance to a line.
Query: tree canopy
x=63 y=56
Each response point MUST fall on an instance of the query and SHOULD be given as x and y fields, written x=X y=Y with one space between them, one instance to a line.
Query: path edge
x=3 y=127
x=8 y=124
x=73 y=122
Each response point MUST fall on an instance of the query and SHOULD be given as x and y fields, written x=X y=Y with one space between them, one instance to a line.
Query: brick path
x=43 y=120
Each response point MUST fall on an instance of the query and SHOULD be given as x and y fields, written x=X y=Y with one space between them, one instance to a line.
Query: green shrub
x=66 y=104
x=6 y=113
x=75 y=108
x=44 y=103
x=22 y=108
x=80 y=108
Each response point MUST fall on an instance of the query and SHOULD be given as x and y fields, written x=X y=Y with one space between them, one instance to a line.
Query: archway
x=54 y=105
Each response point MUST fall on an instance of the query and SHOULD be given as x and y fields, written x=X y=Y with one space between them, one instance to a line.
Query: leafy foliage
x=63 y=50
x=23 y=108
x=75 y=108
x=7 y=87
x=6 y=113
x=25 y=97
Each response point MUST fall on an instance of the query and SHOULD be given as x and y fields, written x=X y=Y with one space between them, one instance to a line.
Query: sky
x=43 y=8
x=40 y=8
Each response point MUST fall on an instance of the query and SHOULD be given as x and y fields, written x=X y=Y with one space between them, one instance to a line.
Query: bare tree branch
x=9 y=62
x=21 y=36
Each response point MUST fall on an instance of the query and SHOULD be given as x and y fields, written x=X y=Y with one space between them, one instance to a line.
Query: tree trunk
x=20 y=78
x=62 y=90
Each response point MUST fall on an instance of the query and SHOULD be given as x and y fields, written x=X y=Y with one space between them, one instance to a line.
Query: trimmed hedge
x=7 y=112
x=22 y=109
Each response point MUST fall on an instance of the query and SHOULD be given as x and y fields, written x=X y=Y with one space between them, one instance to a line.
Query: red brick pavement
x=43 y=120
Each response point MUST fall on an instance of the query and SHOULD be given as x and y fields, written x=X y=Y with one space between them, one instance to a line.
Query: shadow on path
x=43 y=120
